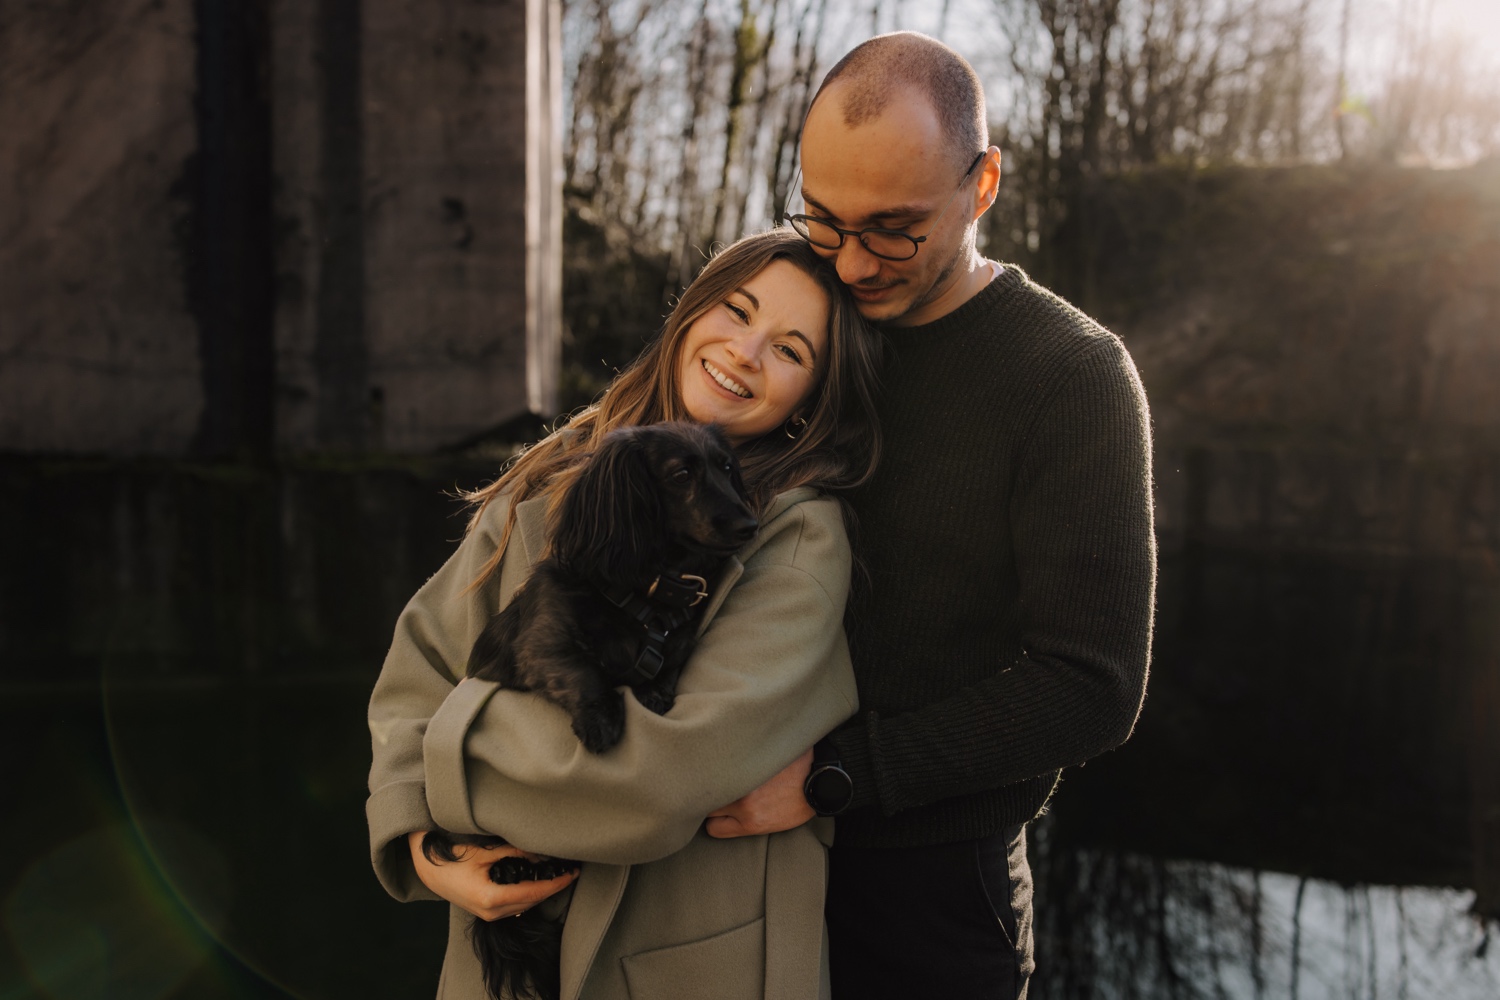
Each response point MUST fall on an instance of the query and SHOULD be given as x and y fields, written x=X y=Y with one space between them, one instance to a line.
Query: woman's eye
x=789 y=352
x=744 y=316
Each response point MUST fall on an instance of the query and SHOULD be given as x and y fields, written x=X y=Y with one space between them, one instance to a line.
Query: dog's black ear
x=609 y=527
x=493 y=656
x=716 y=434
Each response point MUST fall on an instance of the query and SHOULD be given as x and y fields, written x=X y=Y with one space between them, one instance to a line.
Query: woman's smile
x=726 y=382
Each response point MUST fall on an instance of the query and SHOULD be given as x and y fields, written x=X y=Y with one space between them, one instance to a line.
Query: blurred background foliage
x=682 y=118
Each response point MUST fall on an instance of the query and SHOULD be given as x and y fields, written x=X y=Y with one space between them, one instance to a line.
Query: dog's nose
x=742 y=529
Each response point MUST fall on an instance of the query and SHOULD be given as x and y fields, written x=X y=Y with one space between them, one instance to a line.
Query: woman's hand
x=466 y=882
x=777 y=805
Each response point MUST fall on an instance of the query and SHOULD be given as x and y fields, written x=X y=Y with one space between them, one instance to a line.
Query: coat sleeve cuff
x=394 y=811
x=443 y=756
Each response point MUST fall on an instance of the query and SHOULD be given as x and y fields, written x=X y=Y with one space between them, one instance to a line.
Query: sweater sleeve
x=1081 y=524
x=769 y=676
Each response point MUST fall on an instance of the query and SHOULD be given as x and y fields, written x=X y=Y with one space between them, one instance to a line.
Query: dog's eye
x=681 y=475
x=728 y=466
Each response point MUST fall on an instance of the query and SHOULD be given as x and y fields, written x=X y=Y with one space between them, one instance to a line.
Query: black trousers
x=950 y=921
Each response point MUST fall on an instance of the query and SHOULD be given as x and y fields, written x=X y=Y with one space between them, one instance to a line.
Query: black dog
x=641 y=536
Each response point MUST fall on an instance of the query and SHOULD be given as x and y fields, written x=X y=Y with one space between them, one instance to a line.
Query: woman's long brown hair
x=836 y=451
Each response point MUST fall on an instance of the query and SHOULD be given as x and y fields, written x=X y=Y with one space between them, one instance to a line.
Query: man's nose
x=854 y=263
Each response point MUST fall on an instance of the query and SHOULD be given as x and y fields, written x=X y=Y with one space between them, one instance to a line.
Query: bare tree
x=684 y=114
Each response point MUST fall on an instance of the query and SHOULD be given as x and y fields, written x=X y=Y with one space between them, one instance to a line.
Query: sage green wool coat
x=661 y=910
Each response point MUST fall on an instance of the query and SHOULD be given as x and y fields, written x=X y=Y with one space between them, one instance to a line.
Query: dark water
x=187 y=654
x=209 y=843
x=179 y=842
x=185 y=657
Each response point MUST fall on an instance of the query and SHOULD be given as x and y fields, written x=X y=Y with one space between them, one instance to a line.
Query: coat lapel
x=531 y=525
x=596 y=896
x=736 y=566
x=733 y=570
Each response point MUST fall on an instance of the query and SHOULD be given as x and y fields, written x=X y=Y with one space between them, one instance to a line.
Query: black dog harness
x=666 y=606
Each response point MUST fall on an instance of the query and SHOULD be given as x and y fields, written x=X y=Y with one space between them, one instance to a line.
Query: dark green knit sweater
x=1009 y=541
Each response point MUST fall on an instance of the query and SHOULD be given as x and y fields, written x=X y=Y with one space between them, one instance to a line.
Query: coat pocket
x=727 y=966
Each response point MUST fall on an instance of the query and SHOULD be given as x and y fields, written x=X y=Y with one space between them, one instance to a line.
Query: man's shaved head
x=905 y=62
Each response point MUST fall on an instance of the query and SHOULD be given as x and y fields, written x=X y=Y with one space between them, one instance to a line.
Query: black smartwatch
x=828 y=788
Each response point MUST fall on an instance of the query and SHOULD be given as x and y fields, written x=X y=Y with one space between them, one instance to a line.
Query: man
x=1008 y=535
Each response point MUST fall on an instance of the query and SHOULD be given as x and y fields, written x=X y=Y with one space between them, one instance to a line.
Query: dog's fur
x=663 y=500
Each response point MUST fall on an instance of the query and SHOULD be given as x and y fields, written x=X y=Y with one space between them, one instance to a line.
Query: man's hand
x=466 y=882
x=775 y=806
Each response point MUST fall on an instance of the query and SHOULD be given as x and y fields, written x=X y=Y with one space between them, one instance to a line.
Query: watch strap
x=825 y=753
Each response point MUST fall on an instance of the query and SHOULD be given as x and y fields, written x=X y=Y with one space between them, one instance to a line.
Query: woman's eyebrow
x=800 y=336
x=753 y=300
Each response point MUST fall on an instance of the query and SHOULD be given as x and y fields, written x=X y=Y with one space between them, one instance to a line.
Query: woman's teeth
x=726 y=381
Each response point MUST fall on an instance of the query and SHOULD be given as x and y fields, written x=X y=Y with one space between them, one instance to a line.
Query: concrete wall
x=280 y=226
x=98 y=350
x=421 y=151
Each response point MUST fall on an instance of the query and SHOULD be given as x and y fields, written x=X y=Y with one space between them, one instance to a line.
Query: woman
x=766 y=343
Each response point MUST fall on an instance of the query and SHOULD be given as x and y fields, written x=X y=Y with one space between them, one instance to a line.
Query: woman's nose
x=744 y=351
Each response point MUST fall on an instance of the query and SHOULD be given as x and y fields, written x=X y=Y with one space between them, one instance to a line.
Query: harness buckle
x=701 y=588
x=648 y=664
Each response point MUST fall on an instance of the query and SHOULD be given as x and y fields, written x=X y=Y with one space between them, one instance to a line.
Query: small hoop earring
x=797 y=422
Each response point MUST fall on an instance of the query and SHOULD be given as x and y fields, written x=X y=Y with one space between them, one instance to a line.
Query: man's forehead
x=895 y=162
x=855 y=190
x=858 y=207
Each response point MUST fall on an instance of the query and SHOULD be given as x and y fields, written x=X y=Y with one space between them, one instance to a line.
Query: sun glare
x=1478 y=20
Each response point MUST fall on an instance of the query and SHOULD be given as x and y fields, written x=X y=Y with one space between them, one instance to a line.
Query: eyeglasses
x=887 y=244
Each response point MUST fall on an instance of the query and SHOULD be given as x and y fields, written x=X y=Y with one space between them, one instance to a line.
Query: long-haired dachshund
x=640 y=538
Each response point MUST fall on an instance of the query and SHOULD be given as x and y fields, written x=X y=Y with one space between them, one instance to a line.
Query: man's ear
x=989 y=181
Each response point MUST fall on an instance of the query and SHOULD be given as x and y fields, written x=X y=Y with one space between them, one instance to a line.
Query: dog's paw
x=551 y=868
x=600 y=724
x=509 y=871
x=656 y=700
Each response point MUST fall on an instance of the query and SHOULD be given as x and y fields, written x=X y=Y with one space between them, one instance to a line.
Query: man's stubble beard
x=966 y=246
